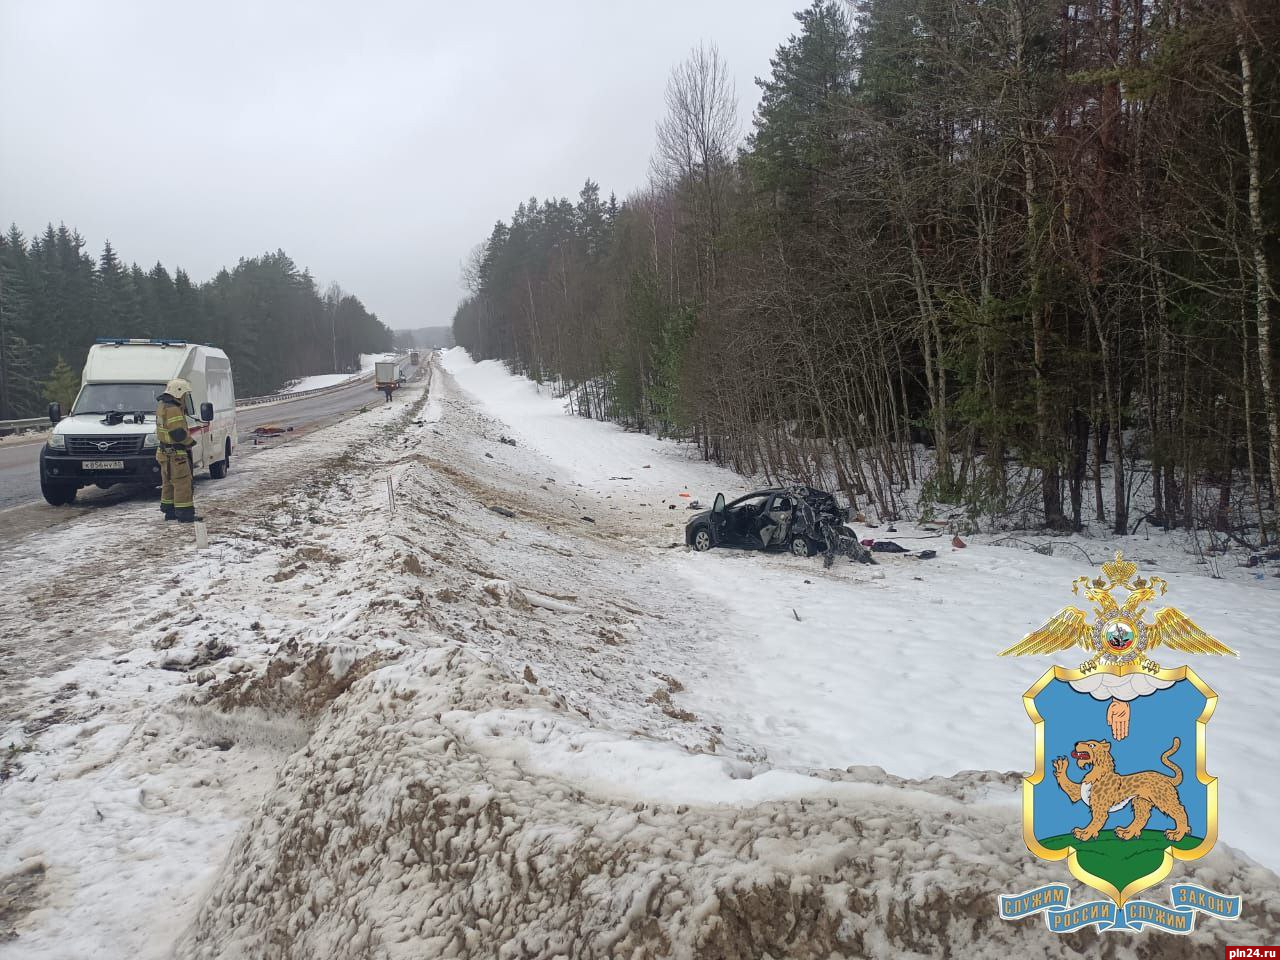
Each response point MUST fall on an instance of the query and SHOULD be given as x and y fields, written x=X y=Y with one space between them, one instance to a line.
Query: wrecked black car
x=800 y=519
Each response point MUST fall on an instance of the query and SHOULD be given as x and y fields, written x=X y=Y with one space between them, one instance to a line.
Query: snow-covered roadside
x=24 y=436
x=895 y=665
x=119 y=794
x=369 y=360
x=505 y=751
x=902 y=672
x=319 y=381
x=611 y=462
x=601 y=458
x=529 y=779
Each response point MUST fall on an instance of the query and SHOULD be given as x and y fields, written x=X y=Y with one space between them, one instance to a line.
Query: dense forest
x=1015 y=255
x=269 y=316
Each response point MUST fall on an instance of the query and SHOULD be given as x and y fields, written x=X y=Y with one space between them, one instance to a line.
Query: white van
x=109 y=435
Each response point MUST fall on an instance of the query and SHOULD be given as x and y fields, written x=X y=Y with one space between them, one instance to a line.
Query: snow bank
x=534 y=787
x=601 y=456
x=901 y=672
x=527 y=733
x=120 y=791
x=895 y=665
x=319 y=381
x=391 y=837
x=369 y=360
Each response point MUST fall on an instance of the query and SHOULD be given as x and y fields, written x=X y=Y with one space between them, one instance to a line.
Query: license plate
x=101 y=464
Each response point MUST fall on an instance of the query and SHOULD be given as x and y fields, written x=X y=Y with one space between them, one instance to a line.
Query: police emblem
x=1125 y=794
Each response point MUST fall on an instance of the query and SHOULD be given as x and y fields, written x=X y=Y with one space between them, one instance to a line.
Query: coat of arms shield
x=1120 y=805
x=1120 y=789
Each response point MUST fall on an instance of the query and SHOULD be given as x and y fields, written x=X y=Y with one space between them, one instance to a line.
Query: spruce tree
x=18 y=392
x=798 y=124
x=62 y=386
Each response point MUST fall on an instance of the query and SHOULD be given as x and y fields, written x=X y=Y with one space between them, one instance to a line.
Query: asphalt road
x=20 y=460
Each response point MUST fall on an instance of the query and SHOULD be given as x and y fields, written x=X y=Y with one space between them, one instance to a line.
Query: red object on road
x=958 y=543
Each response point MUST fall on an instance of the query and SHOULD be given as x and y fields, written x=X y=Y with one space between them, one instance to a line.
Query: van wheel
x=219 y=470
x=58 y=494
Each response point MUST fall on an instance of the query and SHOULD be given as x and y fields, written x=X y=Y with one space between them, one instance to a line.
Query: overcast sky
x=376 y=143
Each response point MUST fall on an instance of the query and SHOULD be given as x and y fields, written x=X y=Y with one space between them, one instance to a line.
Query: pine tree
x=17 y=378
x=798 y=124
x=62 y=385
x=591 y=221
x=114 y=314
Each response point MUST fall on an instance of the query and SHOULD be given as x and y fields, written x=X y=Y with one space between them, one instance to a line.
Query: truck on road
x=108 y=436
x=387 y=376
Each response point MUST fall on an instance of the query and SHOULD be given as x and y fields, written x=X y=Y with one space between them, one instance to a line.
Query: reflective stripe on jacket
x=171 y=426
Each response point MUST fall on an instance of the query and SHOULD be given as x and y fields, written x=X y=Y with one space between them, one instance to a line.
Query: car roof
x=765 y=491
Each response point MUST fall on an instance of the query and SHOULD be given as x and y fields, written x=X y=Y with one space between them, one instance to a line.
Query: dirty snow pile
x=120 y=793
x=404 y=831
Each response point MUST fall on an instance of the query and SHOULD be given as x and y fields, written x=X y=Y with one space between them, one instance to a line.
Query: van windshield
x=118 y=397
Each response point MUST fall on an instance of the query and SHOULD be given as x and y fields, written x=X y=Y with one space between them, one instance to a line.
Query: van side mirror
x=55 y=412
x=206 y=412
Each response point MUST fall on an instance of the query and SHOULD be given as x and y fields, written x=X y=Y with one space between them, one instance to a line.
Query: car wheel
x=801 y=547
x=702 y=540
x=58 y=494
x=219 y=470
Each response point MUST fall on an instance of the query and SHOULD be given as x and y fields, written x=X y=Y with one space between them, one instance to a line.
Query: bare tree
x=471 y=267
x=696 y=143
x=1262 y=276
x=333 y=297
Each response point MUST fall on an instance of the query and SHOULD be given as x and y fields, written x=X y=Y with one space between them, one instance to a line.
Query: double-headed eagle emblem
x=1118 y=637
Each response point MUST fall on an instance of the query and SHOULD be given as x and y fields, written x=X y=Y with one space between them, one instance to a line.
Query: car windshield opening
x=118 y=398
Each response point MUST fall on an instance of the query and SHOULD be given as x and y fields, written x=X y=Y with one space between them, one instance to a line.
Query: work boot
x=187 y=515
x=168 y=511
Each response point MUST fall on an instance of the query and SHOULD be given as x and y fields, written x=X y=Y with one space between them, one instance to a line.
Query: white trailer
x=109 y=435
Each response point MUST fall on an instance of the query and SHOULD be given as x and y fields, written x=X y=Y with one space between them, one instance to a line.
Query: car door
x=740 y=520
x=719 y=520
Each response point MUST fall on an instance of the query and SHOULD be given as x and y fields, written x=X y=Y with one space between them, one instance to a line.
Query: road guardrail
x=17 y=426
x=42 y=423
x=300 y=394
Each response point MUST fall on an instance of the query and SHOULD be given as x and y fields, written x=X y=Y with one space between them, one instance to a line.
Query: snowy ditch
x=447 y=732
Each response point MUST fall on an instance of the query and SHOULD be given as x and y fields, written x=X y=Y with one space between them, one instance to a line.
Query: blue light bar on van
x=121 y=341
